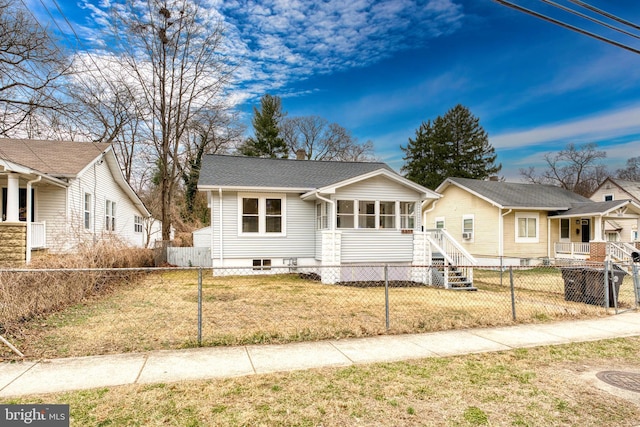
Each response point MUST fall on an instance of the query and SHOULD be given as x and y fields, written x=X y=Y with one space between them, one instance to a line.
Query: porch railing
x=38 y=235
x=572 y=248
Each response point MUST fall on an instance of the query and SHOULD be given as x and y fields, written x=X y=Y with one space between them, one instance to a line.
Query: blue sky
x=380 y=68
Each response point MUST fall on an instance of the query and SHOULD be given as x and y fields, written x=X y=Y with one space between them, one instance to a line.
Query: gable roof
x=508 y=195
x=592 y=208
x=632 y=188
x=247 y=172
x=60 y=159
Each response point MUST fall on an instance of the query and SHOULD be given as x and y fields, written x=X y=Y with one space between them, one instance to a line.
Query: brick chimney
x=301 y=154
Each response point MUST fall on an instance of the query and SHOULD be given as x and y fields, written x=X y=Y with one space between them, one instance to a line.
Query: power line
x=589 y=18
x=567 y=26
x=604 y=13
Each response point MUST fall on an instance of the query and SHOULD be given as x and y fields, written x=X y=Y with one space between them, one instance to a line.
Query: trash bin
x=573 y=283
x=594 y=285
x=584 y=284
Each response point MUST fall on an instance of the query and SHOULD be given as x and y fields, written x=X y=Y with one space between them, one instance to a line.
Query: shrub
x=55 y=282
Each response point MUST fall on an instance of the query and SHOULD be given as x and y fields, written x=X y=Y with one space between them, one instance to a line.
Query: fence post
x=636 y=283
x=606 y=286
x=199 y=306
x=513 y=293
x=386 y=295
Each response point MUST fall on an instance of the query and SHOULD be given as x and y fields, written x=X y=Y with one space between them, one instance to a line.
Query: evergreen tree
x=454 y=145
x=266 y=124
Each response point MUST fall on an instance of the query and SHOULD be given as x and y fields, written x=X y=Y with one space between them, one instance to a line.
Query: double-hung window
x=467 y=226
x=565 y=228
x=376 y=214
x=110 y=216
x=262 y=214
x=137 y=224
x=87 y=211
x=322 y=216
x=366 y=214
x=527 y=227
x=407 y=215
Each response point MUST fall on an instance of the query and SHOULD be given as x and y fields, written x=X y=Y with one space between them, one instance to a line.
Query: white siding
x=50 y=204
x=99 y=182
x=299 y=241
x=376 y=246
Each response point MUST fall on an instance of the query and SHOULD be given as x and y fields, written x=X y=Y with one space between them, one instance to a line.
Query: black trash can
x=573 y=283
x=594 y=285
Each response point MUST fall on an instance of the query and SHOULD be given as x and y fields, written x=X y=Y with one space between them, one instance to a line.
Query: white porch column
x=13 y=198
x=598 y=230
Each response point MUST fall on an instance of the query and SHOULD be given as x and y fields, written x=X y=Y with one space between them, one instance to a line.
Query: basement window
x=262 y=264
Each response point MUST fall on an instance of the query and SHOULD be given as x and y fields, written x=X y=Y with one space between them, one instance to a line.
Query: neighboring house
x=516 y=223
x=56 y=195
x=278 y=212
x=619 y=230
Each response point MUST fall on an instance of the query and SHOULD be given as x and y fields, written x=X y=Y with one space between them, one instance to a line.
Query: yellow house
x=505 y=223
x=618 y=230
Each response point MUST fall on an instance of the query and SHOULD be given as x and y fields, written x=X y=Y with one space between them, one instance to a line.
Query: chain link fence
x=59 y=313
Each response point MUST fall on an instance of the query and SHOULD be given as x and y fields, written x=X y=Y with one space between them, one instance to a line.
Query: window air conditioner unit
x=466 y=236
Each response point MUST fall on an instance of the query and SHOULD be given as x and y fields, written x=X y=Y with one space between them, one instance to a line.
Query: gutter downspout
x=549 y=236
x=501 y=230
x=424 y=214
x=29 y=219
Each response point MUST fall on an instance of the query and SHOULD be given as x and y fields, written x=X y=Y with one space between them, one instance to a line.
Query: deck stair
x=452 y=264
x=621 y=254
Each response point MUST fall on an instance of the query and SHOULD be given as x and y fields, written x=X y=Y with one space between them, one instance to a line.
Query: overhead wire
x=567 y=26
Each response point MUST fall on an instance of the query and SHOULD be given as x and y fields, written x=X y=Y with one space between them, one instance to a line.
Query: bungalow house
x=58 y=194
x=517 y=223
x=618 y=230
x=267 y=213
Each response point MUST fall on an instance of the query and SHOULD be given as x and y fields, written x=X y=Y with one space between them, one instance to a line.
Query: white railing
x=38 y=235
x=572 y=248
x=454 y=254
x=620 y=251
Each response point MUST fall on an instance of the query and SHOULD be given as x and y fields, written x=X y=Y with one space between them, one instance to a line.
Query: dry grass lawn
x=546 y=386
x=161 y=312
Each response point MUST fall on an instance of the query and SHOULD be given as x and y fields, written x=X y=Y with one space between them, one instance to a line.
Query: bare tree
x=574 y=168
x=214 y=133
x=31 y=66
x=632 y=170
x=322 y=140
x=172 y=51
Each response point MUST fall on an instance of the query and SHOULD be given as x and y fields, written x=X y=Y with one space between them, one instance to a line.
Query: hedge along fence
x=55 y=282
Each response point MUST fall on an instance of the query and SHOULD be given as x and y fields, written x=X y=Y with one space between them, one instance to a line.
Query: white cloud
x=609 y=124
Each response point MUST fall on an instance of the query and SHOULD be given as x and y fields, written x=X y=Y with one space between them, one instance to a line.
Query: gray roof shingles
x=257 y=172
x=511 y=194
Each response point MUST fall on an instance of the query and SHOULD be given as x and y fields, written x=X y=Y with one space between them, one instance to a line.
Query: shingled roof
x=256 y=172
x=519 y=195
x=61 y=159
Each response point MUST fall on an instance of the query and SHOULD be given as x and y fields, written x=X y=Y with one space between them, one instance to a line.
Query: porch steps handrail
x=620 y=251
x=450 y=248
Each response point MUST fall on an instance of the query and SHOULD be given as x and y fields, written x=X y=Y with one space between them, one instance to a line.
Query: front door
x=586 y=230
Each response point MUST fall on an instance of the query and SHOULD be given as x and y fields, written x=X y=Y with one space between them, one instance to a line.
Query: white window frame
x=88 y=214
x=138 y=226
x=262 y=214
x=473 y=226
x=399 y=219
x=604 y=197
x=110 y=215
x=527 y=215
x=438 y=220
x=407 y=220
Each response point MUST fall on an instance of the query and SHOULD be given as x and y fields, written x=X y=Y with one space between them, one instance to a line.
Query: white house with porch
x=56 y=195
x=268 y=213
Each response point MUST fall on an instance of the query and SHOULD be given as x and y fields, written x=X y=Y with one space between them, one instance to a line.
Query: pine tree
x=266 y=124
x=454 y=145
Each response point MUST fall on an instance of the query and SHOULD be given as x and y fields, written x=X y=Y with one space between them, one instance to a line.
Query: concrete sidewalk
x=57 y=375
